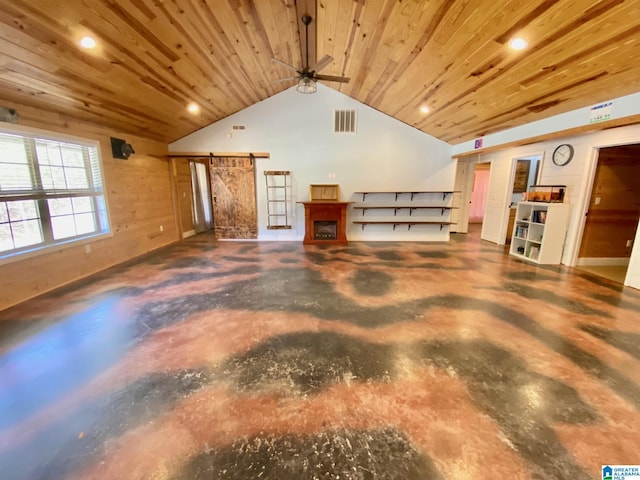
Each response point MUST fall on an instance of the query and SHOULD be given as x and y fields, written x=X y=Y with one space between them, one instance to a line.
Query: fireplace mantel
x=325 y=222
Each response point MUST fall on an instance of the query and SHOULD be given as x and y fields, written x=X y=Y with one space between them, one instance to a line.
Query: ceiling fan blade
x=289 y=79
x=324 y=61
x=331 y=78
x=285 y=65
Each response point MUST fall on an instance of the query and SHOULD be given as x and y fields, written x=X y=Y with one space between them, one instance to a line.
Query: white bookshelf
x=539 y=232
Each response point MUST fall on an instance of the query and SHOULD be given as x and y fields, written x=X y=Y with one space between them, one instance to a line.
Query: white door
x=461 y=197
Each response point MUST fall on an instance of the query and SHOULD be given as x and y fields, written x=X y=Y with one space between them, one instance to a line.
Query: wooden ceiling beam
x=154 y=58
x=308 y=7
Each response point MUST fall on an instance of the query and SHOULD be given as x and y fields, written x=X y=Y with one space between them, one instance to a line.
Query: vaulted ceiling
x=154 y=57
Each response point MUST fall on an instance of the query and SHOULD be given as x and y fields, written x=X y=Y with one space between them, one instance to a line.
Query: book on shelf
x=542 y=216
x=539 y=216
x=534 y=252
x=521 y=231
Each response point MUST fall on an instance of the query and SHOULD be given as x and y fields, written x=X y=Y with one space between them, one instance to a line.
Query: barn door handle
x=215 y=199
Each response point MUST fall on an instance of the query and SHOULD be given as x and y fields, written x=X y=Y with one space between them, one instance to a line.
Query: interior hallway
x=279 y=361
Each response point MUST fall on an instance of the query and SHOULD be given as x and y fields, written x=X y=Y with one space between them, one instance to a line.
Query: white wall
x=577 y=176
x=297 y=131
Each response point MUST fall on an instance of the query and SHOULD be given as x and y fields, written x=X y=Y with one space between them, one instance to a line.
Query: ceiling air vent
x=344 y=121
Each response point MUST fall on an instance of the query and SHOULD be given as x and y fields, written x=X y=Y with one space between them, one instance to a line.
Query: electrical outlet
x=87 y=248
x=597 y=202
x=629 y=243
x=162 y=228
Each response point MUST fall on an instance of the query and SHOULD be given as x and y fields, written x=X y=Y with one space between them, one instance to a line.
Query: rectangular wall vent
x=238 y=127
x=344 y=121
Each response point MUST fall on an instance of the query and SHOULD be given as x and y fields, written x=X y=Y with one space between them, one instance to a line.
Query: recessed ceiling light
x=193 y=108
x=87 y=42
x=424 y=109
x=518 y=44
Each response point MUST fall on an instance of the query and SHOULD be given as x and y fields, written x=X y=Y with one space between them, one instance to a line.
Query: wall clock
x=562 y=154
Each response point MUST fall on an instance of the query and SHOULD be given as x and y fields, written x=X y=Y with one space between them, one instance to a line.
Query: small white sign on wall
x=600 y=113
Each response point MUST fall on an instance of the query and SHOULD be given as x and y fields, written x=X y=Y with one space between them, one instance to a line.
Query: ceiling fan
x=307 y=76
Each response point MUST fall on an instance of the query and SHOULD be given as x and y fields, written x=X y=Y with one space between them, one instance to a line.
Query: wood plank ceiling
x=154 y=57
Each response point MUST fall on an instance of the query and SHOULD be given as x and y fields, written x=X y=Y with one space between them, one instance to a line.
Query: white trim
x=586 y=188
x=11 y=128
x=188 y=234
x=51 y=248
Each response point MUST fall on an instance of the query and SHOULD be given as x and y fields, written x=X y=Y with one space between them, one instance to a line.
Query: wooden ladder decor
x=278 y=184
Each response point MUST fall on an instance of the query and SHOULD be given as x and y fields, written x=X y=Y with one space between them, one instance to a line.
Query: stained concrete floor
x=230 y=360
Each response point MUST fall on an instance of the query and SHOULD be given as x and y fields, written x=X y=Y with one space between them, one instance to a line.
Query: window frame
x=99 y=198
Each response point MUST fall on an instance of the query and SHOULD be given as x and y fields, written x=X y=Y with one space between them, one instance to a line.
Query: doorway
x=613 y=213
x=201 y=191
x=470 y=195
x=479 y=192
x=192 y=195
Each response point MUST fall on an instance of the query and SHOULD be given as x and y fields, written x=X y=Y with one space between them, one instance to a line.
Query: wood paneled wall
x=139 y=195
x=613 y=219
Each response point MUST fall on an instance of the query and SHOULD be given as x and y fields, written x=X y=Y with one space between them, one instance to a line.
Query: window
x=50 y=193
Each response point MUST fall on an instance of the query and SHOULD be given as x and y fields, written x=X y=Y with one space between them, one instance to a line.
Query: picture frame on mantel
x=324 y=192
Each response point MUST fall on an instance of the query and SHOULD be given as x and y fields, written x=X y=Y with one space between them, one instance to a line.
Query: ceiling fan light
x=307 y=85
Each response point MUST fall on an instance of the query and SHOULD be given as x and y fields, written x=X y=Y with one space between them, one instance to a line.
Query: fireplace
x=325 y=222
x=325 y=229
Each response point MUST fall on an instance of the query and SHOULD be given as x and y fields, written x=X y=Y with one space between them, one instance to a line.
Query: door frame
x=473 y=185
x=203 y=161
x=463 y=167
x=465 y=183
x=587 y=188
x=467 y=189
x=173 y=166
x=583 y=204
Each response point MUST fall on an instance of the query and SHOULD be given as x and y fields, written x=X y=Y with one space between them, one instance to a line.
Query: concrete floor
x=232 y=360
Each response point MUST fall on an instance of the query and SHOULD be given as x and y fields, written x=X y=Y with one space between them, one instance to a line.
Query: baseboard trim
x=602 y=261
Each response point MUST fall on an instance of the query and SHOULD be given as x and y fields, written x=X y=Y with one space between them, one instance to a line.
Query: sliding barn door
x=233 y=188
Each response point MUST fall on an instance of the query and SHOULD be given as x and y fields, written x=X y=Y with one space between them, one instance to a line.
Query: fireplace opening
x=325 y=230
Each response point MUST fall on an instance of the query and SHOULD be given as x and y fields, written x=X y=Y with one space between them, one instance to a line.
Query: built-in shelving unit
x=414 y=208
x=412 y=194
x=539 y=232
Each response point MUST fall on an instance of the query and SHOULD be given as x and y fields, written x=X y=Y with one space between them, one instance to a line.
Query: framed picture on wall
x=521 y=177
